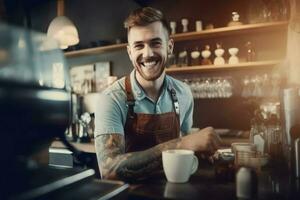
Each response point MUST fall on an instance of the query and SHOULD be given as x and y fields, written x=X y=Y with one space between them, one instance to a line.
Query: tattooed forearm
x=115 y=164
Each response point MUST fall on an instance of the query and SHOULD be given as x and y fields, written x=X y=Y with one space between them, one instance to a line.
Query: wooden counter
x=272 y=184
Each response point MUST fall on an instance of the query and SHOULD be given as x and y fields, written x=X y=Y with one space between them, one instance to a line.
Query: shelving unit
x=206 y=68
x=96 y=50
x=224 y=31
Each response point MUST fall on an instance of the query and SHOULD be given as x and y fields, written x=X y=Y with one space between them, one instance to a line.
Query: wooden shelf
x=224 y=31
x=96 y=50
x=201 y=68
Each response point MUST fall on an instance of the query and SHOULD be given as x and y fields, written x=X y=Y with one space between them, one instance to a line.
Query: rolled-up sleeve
x=108 y=116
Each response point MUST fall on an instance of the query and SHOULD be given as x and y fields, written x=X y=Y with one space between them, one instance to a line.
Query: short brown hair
x=145 y=16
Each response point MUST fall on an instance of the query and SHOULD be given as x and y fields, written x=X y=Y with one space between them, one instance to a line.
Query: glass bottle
x=183 y=58
x=250 y=52
x=195 y=57
x=206 y=54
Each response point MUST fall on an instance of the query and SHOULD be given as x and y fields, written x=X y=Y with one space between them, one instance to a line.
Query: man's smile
x=149 y=63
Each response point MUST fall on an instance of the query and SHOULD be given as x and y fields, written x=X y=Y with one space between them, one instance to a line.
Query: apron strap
x=174 y=98
x=130 y=98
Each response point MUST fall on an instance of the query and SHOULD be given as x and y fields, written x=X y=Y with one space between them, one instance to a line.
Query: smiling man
x=148 y=111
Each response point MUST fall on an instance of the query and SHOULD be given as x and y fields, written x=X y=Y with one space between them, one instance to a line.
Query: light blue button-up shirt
x=111 y=111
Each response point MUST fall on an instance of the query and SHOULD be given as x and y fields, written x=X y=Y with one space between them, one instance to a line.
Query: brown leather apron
x=142 y=130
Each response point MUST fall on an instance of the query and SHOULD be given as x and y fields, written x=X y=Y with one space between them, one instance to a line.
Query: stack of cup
x=246 y=155
x=243 y=153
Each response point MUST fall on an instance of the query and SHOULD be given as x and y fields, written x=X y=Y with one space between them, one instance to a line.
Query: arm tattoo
x=114 y=163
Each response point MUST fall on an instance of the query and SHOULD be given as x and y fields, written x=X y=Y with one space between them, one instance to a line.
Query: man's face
x=148 y=49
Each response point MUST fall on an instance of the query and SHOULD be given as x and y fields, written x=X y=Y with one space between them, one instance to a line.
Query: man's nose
x=148 y=52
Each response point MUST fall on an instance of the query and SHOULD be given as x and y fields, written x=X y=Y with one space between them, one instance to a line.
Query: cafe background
x=236 y=56
x=231 y=94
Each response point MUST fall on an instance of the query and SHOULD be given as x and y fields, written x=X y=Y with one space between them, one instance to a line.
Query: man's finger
x=218 y=140
x=214 y=145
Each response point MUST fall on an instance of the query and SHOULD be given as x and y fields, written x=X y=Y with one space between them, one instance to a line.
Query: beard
x=150 y=73
x=150 y=77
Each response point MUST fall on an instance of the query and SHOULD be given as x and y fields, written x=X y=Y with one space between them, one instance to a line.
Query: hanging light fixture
x=62 y=29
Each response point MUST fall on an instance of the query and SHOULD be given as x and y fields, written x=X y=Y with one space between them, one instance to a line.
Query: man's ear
x=170 y=46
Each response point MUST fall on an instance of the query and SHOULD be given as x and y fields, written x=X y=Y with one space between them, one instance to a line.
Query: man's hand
x=204 y=140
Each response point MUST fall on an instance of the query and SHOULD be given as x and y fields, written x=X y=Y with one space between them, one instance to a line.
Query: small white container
x=246 y=183
x=198 y=25
x=173 y=27
x=185 y=23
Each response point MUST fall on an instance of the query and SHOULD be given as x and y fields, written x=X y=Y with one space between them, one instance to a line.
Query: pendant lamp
x=62 y=29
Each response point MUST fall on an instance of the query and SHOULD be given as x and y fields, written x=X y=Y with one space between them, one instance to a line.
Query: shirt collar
x=138 y=92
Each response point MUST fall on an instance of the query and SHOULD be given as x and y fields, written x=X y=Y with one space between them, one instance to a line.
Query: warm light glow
x=64 y=31
x=53 y=95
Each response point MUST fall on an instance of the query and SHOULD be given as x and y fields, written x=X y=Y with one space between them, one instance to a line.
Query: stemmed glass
x=227 y=85
x=208 y=87
x=246 y=87
x=257 y=83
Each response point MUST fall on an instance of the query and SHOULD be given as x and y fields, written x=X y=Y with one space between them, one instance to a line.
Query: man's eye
x=138 y=46
x=156 y=44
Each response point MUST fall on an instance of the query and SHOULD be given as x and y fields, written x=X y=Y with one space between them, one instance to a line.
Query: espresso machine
x=290 y=114
x=35 y=108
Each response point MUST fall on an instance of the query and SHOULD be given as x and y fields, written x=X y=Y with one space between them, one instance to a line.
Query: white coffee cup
x=179 y=164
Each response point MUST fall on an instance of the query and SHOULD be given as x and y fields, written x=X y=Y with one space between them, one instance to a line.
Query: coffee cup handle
x=195 y=164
